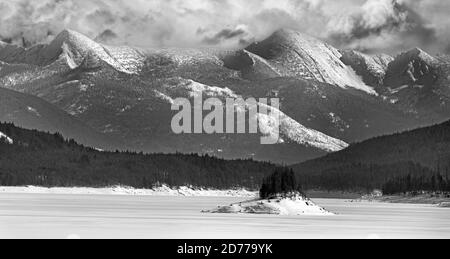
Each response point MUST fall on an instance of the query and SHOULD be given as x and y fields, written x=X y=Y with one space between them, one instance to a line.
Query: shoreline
x=184 y=191
x=424 y=199
x=164 y=190
x=418 y=199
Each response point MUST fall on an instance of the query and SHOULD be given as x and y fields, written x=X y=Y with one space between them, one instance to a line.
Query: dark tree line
x=360 y=177
x=414 y=183
x=43 y=159
x=49 y=160
x=281 y=183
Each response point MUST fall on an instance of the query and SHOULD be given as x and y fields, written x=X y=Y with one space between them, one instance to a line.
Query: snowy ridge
x=294 y=132
x=290 y=131
x=411 y=68
x=77 y=47
x=187 y=57
x=164 y=190
x=371 y=67
x=74 y=49
x=257 y=59
x=297 y=54
x=5 y=138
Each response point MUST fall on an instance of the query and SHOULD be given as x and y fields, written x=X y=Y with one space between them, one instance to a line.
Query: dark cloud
x=447 y=50
x=107 y=36
x=396 y=20
x=224 y=35
x=370 y=25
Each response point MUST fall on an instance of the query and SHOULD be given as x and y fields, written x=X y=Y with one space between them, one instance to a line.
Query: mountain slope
x=414 y=81
x=418 y=83
x=33 y=113
x=414 y=67
x=299 y=55
x=372 y=68
x=421 y=151
x=347 y=114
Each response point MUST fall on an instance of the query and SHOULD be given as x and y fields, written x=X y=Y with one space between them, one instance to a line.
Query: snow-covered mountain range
x=328 y=97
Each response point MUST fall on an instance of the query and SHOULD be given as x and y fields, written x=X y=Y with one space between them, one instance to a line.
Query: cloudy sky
x=369 y=25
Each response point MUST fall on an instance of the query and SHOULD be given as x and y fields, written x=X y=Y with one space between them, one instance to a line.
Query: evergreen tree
x=281 y=183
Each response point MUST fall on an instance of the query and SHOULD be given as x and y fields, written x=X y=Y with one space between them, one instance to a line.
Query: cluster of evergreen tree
x=417 y=183
x=43 y=159
x=281 y=183
x=359 y=177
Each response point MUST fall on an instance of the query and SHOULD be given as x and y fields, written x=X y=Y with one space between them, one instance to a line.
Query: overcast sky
x=387 y=26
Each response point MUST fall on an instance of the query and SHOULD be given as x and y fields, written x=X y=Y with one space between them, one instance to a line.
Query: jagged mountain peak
x=417 y=54
x=291 y=35
x=413 y=67
x=281 y=41
x=383 y=58
x=372 y=68
x=296 y=54
x=75 y=39
x=73 y=48
x=77 y=48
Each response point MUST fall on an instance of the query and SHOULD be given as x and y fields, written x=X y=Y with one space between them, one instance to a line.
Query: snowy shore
x=121 y=190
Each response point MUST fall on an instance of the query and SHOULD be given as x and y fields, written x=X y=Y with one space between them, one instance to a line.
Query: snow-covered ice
x=124 y=216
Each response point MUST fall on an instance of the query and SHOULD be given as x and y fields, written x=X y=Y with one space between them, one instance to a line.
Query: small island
x=280 y=194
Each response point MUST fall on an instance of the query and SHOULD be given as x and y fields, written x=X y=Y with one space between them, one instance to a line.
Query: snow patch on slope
x=5 y=138
x=187 y=57
x=294 y=132
x=34 y=111
x=209 y=91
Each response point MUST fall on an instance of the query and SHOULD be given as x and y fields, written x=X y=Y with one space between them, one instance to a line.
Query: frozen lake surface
x=113 y=216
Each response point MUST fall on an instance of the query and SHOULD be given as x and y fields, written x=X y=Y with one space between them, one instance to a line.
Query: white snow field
x=126 y=216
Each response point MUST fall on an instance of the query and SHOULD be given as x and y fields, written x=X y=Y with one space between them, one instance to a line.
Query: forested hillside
x=371 y=164
x=37 y=158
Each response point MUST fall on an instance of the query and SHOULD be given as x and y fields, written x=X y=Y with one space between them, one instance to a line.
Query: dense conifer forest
x=42 y=159
x=383 y=161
